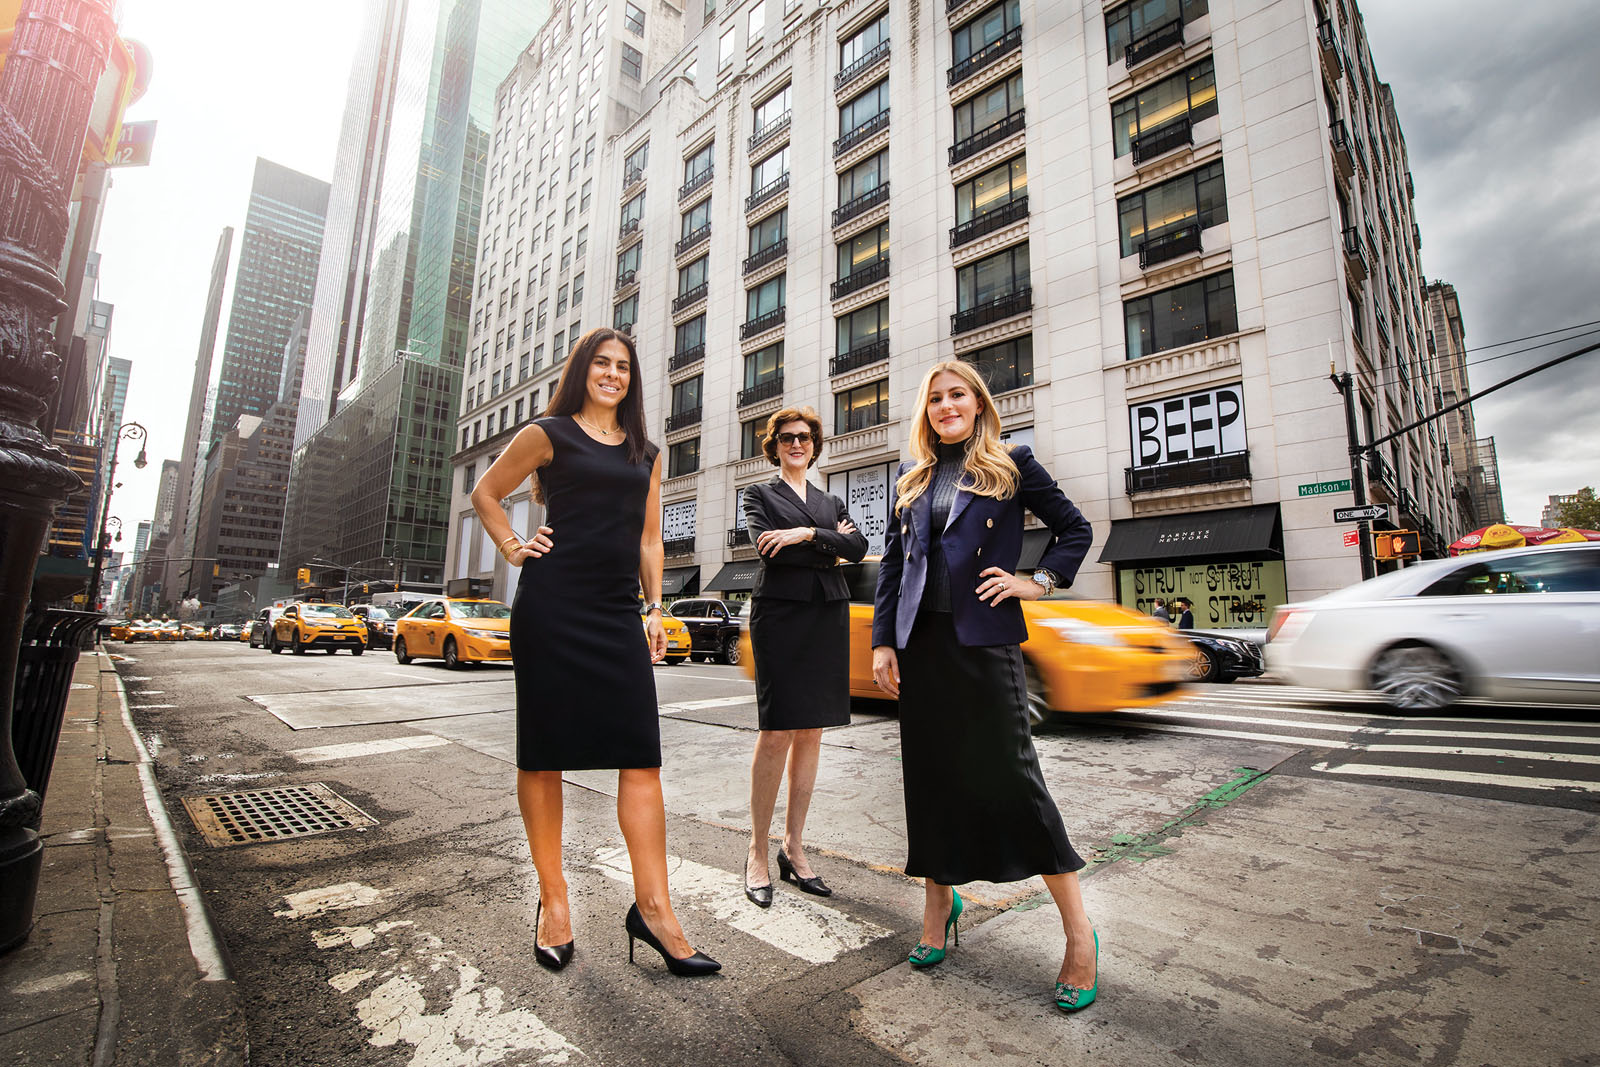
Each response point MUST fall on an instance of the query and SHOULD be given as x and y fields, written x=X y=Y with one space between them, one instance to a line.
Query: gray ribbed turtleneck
x=942 y=496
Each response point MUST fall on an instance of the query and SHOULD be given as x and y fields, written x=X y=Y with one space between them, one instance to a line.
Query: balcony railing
x=739 y=536
x=679 y=419
x=633 y=177
x=860 y=356
x=767 y=192
x=1155 y=42
x=690 y=297
x=1203 y=471
x=1360 y=154
x=762 y=323
x=1328 y=42
x=686 y=357
x=1416 y=236
x=989 y=135
x=861 y=133
x=1339 y=138
x=992 y=311
x=1152 y=143
x=1170 y=245
x=629 y=228
x=1381 y=474
x=860 y=278
x=691 y=239
x=987 y=56
x=770 y=254
x=860 y=66
x=770 y=130
x=625 y=279
x=766 y=390
x=861 y=204
x=678 y=546
x=699 y=181
x=1408 y=502
x=1355 y=257
x=989 y=221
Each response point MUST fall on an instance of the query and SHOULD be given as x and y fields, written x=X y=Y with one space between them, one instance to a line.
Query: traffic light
x=1396 y=544
x=364 y=589
x=303 y=576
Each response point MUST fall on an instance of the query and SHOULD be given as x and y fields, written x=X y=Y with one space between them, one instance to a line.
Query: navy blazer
x=982 y=532
x=792 y=572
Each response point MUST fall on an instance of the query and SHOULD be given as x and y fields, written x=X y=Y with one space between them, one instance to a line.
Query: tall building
x=1151 y=225
x=1447 y=344
x=388 y=329
x=276 y=278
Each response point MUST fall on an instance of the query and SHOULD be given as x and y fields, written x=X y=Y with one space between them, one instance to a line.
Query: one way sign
x=1366 y=513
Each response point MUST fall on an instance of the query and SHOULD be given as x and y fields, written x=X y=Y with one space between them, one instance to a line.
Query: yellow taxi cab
x=677 y=639
x=458 y=630
x=244 y=630
x=1080 y=655
x=169 y=630
x=120 y=630
x=317 y=625
x=193 y=631
x=141 y=630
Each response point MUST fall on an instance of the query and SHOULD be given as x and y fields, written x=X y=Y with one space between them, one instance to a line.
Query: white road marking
x=150 y=707
x=1222 y=722
x=1281 y=698
x=1508 y=781
x=339 y=897
x=797 y=925
x=149 y=692
x=1498 y=753
x=137 y=678
x=712 y=702
x=353 y=749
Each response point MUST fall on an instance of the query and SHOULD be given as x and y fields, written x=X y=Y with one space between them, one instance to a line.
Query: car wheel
x=400 y=651
x=730 y=650
x=273 y=644
x=452 y=655
x=1416 y=677
x=357 y=651
x=1203 y=667
x=1039 y=711
x=297 y=647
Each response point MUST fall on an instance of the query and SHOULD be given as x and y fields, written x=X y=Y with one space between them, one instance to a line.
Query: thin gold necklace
x=596 y=429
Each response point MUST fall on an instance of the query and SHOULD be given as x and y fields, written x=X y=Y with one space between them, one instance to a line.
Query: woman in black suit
x=799 y=631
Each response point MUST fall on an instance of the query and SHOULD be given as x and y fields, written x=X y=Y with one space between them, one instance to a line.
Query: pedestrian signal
x=1396 y=544
x=303 y=575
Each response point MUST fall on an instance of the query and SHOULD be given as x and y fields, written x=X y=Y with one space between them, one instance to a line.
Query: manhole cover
x=273 y=814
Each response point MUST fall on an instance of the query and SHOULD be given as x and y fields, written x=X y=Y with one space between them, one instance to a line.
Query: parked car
x=317 y=625
x=142 y=630
x=1519 y=624
x=1222 y=657
x=119 y=630
x=713 y=626
x=1080 y=656
x=380 y=625
x=458 y=630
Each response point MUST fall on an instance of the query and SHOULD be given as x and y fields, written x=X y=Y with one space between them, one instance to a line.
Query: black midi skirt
x=802 y=659
x=976 y=805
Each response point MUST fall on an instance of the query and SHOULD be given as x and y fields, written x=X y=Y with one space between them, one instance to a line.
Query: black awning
x=1254 y=530
x=1034 y=542
x=680 y=581
x=735 y=577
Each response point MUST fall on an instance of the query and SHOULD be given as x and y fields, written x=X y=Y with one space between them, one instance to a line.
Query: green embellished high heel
x=926 y=955
x=1070 y=998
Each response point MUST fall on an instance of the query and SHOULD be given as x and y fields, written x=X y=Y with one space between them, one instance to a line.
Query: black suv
x=713 y=627
x=380 y=625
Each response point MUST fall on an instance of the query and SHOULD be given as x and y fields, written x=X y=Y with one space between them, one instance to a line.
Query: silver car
x=1519 y=625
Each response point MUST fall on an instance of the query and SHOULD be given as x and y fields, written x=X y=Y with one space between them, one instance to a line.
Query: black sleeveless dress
x=586 y=693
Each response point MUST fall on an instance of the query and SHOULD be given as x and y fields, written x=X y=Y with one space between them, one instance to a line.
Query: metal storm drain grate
x=273 y=814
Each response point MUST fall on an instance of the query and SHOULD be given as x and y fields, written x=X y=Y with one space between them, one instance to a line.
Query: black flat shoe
x=687 y=967
x=760 y=896
x=556 y=956
x=814 y=885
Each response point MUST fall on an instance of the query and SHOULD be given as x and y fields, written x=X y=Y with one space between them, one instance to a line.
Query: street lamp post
x=133 y=431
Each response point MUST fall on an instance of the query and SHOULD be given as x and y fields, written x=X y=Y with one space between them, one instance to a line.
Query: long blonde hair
x=989 y=469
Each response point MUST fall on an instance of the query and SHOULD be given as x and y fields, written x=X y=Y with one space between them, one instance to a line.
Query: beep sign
x=1193 y=426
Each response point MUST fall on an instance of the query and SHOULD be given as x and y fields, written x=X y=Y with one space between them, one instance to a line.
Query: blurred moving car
x=226 y=631
x=169 y=630
x=1080 y=656
x=1520 y=624
x=713 y=627
x=678 y=641
x=142 y=630
x=1222 y=657
x=318 y=625
x=380 y=625
x=458 y=630
x=120 y=629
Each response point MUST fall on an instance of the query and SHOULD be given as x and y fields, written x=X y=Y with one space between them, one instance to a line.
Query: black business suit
x=800 y=615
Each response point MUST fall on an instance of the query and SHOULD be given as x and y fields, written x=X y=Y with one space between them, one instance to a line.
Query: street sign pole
x=1358 y=485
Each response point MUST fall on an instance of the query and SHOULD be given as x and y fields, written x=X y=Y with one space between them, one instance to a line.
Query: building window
x=697 y=164
x=686 y=397
x=632 y=212
x=862 y=327
x=1005 y=366
x=725 y=49
x=861 y=407
x=757 y=24
x=863 y=41
x=626 y=313
x=989 y=108
x=1128 y=23
x=1187 y=96
x=864 y=177
x=469 y=477
x=1183 y=315
x=583 y=205
x=863 y=251
x=466 y=438
x=750 y=435
x=769 y=170
x=696 y=219
x=1168 y=209
x=577 y=291
x=561 y=300
x=990 y=25
x=633 y=19
x=764 y=366
x=520 y=402
x=566 y=254
x=863 y=109
x=694 y=275
x=538 y=356
x=773 y=108
x=632 y=63
x=628 y=264
x=690 y=335
x=558 y=348
x=765 y=298
x=523 y=368
x=683 y=458
x=991 y=190
x=769 y=231
x=636 y=161
x=993 y=278
x=583 y=242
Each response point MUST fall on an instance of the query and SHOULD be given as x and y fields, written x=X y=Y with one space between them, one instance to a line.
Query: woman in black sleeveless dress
x=586 y=694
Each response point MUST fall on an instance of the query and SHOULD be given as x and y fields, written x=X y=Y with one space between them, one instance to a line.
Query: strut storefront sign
x=1223 y=594
x=1194 y=426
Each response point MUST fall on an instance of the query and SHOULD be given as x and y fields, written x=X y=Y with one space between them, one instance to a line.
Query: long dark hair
x=574 y=386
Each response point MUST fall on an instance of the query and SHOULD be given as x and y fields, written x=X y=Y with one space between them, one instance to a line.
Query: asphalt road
x=406 y=939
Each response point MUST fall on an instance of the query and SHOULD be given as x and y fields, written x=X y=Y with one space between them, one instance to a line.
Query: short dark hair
x=807 y=415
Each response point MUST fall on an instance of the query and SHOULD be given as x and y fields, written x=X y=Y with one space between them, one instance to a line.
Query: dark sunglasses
x=794 y=438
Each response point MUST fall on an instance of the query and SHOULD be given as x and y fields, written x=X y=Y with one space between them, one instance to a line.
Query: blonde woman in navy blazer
x=945 y=638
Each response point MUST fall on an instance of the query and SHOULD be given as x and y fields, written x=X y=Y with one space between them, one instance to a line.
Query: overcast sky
x=1498 y=114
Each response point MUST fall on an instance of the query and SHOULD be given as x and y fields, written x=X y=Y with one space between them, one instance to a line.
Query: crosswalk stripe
x=1498 y=753
x=1509 y=781
x=352 y=749
x=1277 y=697
x=797 y=925
x=1152 y=718
x=704 y=705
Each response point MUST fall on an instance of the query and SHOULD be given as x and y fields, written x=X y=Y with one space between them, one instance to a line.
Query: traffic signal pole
x=1358 y=483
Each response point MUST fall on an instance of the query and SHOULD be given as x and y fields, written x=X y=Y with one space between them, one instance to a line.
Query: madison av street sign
x=1369 y=513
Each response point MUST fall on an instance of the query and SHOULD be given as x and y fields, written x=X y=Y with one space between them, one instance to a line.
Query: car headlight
x=486 y=633
x=1083 y=633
